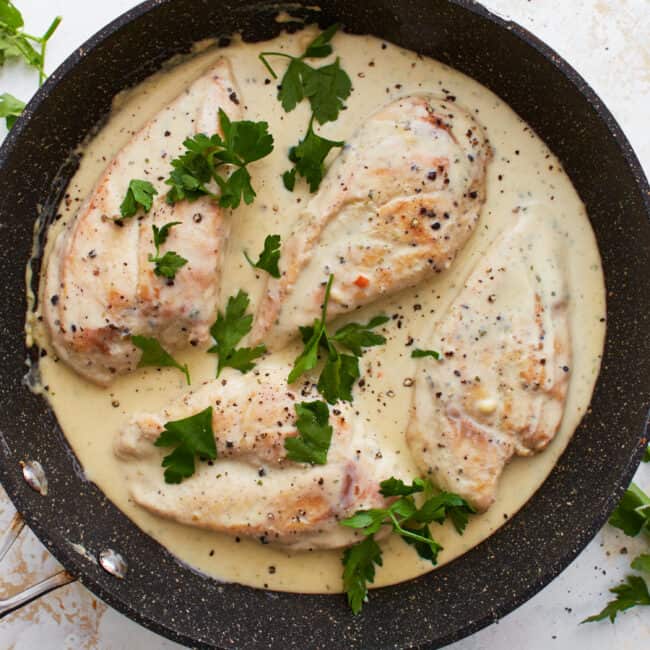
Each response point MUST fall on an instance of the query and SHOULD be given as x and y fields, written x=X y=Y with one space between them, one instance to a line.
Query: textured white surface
x=608 y=42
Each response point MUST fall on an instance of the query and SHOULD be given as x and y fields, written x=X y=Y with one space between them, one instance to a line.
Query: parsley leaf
x=292 y=90
x=418 y=354
x=320 y=47
x=646 y=456
x=140 y=193
x=191 y=436
x=630 y=594
x=446 y=504
x=641 y=563
x=243 y=142
x=632 y=514
x=308 y=157
x=338 y=376
x=407 y=520
x=359 y=563
x=326 y=88
x=228 y=330
x=153 y=354
x=313 y=443
x=14 y=42
x=269 y=257
x=393 y=487
x=10 y=17
x=340 y=371
x=10 y=108
x=167 y=265
x=355 y=336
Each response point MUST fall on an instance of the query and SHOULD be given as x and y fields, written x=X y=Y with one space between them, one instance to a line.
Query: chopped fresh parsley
x=325 y=88
x=168 y=264
x=407 y=519
x=628 y=594
x=340 y=370
x=632 y=516
x=139 y=194
x=359 y=569
x=646 y=456
x=192 y=437
x=194 y=172
x=16 y=43
x=228 y=330
x=641 y=563
x=269 y=257
x=308 y=157
x=153 y=354
x=313 y=443
x=10 y=108
x=418 y=354
x=355 y=336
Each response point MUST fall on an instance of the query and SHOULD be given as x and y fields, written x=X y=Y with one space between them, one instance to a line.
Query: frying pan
x=37 y=161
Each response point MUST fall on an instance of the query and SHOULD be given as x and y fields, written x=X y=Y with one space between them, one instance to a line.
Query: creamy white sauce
x=524 y=175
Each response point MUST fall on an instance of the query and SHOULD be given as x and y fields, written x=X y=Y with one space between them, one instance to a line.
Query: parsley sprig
x=325 y=88
x=193 y=172
x=228 y=330
x=406 y=518
x=269 y=257
x=340 y=370
x=153 y=354
x=15 y=42
x=313 y=443
x=168 y=264
x=191 y=437
x=632 y=516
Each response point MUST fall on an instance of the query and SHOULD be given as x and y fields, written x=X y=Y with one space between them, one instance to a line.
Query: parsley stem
x=326 y=299
x=52 y=28
x=267 y=65
x=407 y=533
x=36 y=39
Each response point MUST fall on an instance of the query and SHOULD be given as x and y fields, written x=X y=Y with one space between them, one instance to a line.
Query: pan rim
x=581 y=538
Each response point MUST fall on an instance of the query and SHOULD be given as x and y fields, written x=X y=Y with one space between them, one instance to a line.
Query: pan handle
x=15 y=601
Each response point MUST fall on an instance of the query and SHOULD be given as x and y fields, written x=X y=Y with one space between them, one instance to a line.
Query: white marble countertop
x=608 y=42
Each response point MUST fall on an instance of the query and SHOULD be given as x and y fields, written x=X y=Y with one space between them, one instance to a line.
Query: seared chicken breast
x=99 y=285
x=252 y=489
x=395 y=207
x=500 y=386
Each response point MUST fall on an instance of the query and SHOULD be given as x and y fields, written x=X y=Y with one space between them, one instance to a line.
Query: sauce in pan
x=523 y=177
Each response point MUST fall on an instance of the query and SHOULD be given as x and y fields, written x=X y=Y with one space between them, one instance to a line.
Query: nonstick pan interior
x=36 y=162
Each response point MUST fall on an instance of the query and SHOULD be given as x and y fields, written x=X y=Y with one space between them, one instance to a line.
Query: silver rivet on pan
x=34 y=474
x=113 y=563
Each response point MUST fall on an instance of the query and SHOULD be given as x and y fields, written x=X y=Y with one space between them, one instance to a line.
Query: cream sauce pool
x=524 y=176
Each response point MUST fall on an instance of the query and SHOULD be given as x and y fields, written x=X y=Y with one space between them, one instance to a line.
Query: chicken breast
x=252 y=489
x=99 y=285
x=395 y=207
x=500 y=386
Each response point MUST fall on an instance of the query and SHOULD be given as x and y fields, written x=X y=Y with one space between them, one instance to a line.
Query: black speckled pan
x=488 y=581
